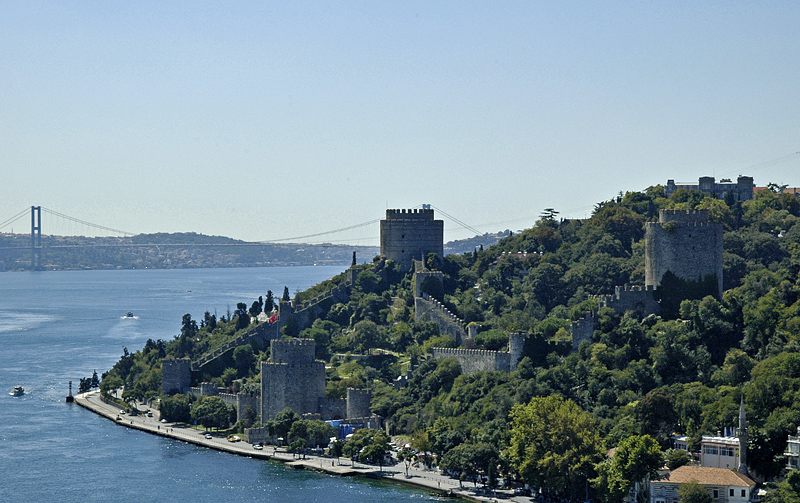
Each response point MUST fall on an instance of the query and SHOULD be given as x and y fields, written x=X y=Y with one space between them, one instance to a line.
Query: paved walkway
x=430 y=480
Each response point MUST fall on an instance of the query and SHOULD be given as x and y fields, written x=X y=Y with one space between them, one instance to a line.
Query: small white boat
x=18 y=391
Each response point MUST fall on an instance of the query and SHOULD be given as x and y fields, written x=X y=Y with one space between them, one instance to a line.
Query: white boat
x=18 y=391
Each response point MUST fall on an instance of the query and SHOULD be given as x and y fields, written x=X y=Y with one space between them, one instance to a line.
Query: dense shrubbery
x=656 y=376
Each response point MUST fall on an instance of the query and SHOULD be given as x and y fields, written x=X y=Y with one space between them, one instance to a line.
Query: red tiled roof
x=708 y=476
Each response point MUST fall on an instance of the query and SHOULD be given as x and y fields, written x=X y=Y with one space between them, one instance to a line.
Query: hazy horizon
x=264 y=122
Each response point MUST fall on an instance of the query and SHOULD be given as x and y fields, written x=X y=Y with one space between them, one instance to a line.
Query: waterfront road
x=429 y=480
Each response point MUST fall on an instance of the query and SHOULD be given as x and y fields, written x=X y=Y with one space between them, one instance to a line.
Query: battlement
x=476 y=360
x=421 y=214
x=441 y=352
x=293 y=351
x=631 y=298
x=683 y=216
x=408 y=235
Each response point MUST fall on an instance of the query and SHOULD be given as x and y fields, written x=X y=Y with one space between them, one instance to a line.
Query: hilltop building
x=741 y=190
x=407 y=235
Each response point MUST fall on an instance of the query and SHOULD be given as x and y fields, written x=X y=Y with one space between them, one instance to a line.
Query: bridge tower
x=36 y=238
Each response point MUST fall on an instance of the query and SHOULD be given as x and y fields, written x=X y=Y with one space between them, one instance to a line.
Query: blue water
x=57 y=326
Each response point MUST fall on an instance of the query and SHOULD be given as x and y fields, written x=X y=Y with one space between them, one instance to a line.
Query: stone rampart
x=332 y=408
x=476 y=360
x=297 y=386
x=516 y=345
x=426 y=308
x=640 y=299
x=247 y=400
x=256 y=435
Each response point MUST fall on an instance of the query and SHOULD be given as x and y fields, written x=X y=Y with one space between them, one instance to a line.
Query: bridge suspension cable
x=351 y=227
x=16 y=217
x=84 y=222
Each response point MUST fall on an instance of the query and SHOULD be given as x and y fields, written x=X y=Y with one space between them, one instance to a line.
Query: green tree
x=636 y=459
x=210 y=411
x=554 y=444
x=269 y=302
x=285 y=296
x=676 y=458
x=282 y=423
x=244 y=358
x=692 y=492
x=408 y=458
x=176 y=408
x=242 y=318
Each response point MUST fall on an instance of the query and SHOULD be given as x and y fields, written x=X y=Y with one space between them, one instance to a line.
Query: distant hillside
x=169 y=251
x=190 y=249
x=469 y=245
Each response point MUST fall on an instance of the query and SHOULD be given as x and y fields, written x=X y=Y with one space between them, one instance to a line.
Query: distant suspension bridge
x=125 y=240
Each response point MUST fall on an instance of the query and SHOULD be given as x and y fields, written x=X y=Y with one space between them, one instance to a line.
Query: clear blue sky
x=269 y=120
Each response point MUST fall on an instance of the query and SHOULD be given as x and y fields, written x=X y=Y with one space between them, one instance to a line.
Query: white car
x=208 y=436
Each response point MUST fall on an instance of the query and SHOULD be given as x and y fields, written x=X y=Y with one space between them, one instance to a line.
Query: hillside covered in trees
x=551 y=421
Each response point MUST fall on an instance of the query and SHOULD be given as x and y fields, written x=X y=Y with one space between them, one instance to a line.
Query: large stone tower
x=176 y=375
x=407 y=235
x=686 y=244
x=292 y=379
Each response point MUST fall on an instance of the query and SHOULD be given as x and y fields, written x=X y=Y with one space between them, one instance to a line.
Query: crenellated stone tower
x=291 y=379
x=407 y=235
x=684 y=243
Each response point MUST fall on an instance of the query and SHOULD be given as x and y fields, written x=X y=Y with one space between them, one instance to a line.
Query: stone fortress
x=293 y=378
x=683 y=242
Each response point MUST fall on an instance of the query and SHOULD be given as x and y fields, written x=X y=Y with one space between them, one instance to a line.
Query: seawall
x=420 y=479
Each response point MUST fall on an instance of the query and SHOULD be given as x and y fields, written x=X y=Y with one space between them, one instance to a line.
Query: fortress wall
x=407 y=235
x=273 y=390
x=631 y=298
x=428 y=309
x=247 y=400
x=475 y=360
x=176 y=374
x=332 y=408
x=516 y=344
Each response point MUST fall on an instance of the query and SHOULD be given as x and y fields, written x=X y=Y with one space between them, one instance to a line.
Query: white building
x=719 y=452
x=793 y=451
x=724 y=485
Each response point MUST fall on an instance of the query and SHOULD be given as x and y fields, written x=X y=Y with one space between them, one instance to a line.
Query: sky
x=269 y=121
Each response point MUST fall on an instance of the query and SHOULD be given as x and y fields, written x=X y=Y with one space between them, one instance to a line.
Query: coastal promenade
x=424 y=479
